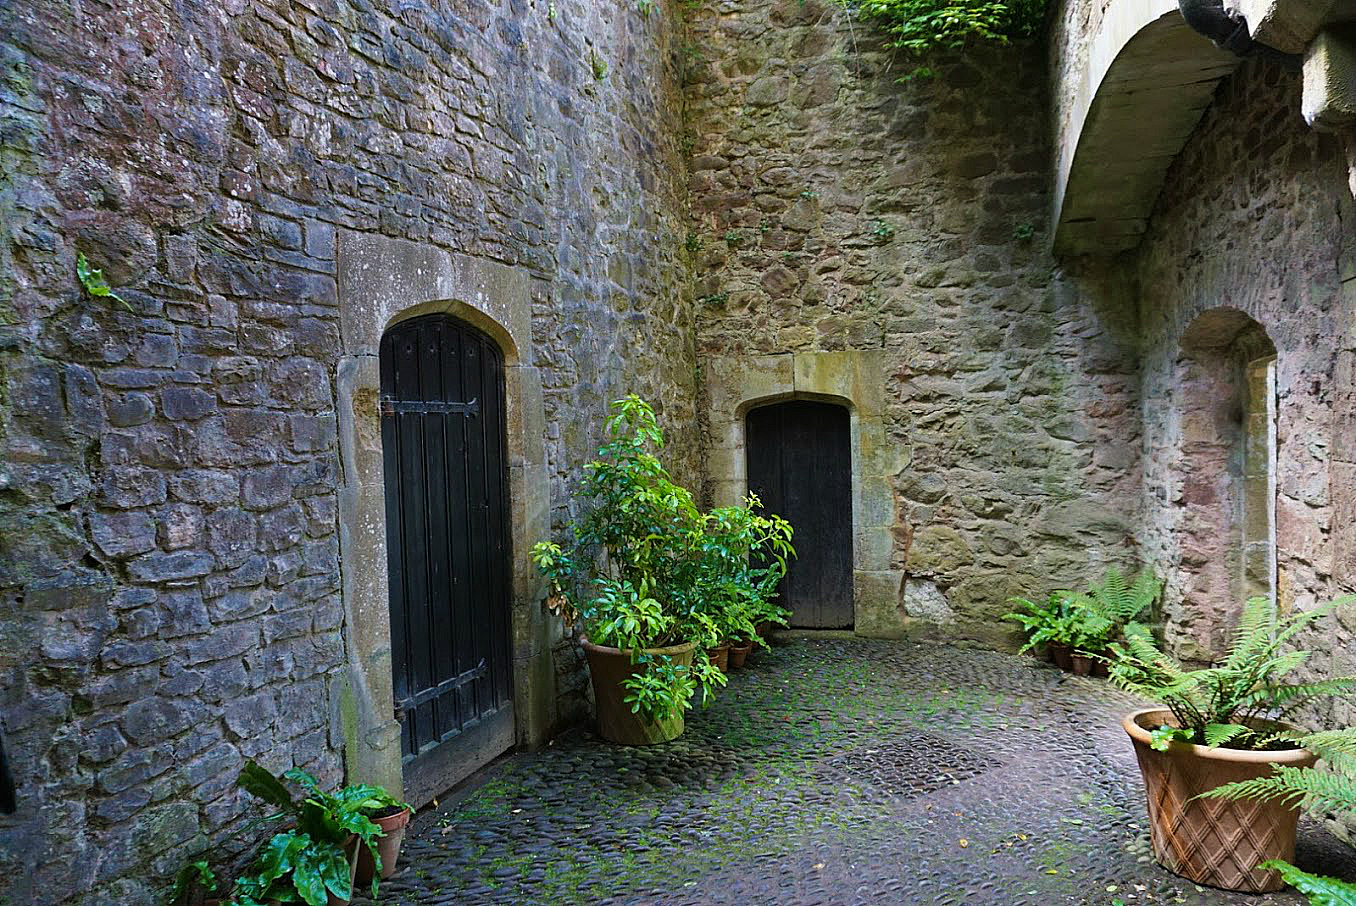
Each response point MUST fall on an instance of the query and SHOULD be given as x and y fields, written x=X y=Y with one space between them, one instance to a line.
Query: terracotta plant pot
x=1218 y=842
x=1062 y=656
x=1082 y=664
x=739 y=652
x=720 y=656
x=388 y=847
x=765 y=628
x=609 y=668
x=1100 y=668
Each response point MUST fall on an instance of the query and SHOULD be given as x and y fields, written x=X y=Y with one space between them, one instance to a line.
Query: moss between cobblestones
x=830 y=771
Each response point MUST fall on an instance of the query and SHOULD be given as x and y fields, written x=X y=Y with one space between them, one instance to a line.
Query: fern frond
x=1317 y=790
x=1217 y=735
x=1254 y=635
x=1263 y=789
x=1288 y=696
x=1333 y=745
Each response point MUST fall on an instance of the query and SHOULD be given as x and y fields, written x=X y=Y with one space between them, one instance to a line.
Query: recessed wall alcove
x=1225 y=476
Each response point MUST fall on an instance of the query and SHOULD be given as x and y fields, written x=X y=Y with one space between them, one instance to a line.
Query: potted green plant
x=392 y=816
x=1077 y=627
x=1331 y=789
x=1219 y=725
x=743 y=555
x=1047 y=623
x=628 y=579
x=1102 y=613
x=313 y=861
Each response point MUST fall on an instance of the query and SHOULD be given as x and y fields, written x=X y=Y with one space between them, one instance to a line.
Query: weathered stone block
x=876 y=597
x=1329 y=95
x=162 y=567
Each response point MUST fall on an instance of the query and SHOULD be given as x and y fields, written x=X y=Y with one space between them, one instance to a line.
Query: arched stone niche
x=383 y=281
x=852 y=378
x=1225 y=467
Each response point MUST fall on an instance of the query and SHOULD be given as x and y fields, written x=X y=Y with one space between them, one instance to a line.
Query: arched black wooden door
x=443 y=441
x=799 y=461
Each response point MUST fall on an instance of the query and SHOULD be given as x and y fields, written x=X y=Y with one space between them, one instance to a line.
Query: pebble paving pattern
x=830 y=771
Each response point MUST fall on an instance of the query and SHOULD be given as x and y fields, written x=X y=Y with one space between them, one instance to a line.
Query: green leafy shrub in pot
x=649 y=571
x=1223 y=726
x=742 y=557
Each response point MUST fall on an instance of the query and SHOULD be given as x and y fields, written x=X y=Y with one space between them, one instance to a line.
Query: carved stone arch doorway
x=855 y=381
x=382 y=284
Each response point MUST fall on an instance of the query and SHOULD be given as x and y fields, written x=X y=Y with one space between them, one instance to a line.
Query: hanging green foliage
x=920 y=27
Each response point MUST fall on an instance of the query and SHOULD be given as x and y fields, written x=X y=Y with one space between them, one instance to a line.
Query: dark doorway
x=443 y=441
x=799 y=462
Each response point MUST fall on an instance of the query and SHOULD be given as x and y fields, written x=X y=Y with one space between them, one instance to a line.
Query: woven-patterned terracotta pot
x=1218 y=842
x=609 y=668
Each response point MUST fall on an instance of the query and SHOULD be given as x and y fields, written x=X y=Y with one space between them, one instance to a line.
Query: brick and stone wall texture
x=1255 y=215
x=838 y=208
x=169 y=578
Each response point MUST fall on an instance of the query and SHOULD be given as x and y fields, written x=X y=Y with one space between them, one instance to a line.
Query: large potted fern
x=1224 y=724
x=1319 y=791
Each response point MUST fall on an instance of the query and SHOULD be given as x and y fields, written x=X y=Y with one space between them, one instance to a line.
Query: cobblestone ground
x=830 y=771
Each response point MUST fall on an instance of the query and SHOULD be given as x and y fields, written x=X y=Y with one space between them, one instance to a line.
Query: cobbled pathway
x=830 y=771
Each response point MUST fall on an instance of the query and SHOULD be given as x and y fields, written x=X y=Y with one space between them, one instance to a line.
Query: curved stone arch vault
x=855 y=379
x=1147 y=80
x=382 y=281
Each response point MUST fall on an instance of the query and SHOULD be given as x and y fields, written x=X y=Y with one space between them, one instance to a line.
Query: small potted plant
x=743 y=557
x=392 y=816
x=1224 y=724
x=1078 y=627
x=315 y=860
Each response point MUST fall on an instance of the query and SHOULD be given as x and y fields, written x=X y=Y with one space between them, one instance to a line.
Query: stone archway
x=382 y=282
x=856 y=380
x=1224 y=473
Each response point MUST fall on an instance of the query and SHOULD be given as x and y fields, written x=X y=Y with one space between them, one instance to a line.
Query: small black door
x=443 y=442
x=799 y=463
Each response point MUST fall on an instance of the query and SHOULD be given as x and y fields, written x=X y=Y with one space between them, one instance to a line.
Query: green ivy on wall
x=920 y=27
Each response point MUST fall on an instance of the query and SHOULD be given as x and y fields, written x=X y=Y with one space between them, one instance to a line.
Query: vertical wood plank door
x=799 y=461
x=447 y=511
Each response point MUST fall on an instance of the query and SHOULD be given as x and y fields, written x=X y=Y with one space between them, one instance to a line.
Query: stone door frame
x=852 y=378
x=383 y=281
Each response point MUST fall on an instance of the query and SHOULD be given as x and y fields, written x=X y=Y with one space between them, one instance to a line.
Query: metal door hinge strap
x=446 y=686
x=429 y=407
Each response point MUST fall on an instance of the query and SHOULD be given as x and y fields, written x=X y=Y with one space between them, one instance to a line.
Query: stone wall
x=168 y=547
x=836 y=208
x=1255 y=218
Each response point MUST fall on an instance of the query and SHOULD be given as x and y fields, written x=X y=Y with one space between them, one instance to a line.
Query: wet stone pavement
x=830 y=771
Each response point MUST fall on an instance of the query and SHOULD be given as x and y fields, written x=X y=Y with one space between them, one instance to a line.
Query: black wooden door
x=799 y=462
x=443 y=441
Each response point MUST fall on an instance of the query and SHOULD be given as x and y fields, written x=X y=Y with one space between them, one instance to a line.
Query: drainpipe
x=1230 y=32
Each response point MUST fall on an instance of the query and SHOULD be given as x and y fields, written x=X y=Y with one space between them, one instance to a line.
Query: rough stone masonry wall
x=838 y=209
x=1255 y=215
x=169 y=581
